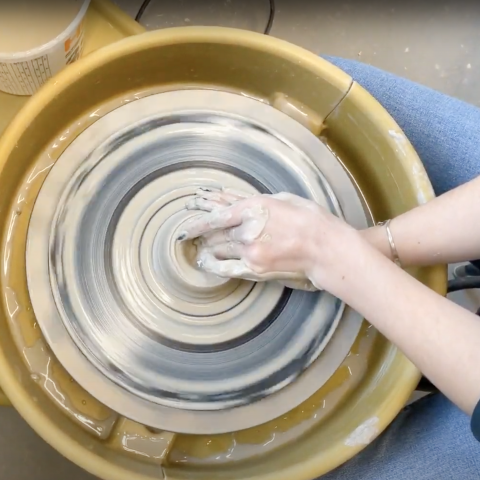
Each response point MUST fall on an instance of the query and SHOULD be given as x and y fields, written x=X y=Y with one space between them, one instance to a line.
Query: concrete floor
x=437 y=44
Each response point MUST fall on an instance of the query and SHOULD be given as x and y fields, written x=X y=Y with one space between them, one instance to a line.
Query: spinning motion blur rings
x=123 y=305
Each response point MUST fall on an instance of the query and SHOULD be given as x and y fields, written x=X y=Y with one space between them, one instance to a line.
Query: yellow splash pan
x=375 y=380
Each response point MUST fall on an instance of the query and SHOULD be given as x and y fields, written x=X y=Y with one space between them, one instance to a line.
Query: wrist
x=377 y=237
x=331 y=257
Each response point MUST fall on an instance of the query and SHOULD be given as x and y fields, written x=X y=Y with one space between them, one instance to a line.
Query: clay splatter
x=364 y=433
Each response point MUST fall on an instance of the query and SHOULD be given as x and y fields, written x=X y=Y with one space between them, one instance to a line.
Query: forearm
x=440 y=338
x=445 y=230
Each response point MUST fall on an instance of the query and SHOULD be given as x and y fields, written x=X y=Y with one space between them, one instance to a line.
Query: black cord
x=271 y=16
x=142 y=9
x=268 y=27
x=463 y=283
x=425 y=385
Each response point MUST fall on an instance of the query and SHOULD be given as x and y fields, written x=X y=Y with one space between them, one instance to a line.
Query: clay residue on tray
x=140 y=442
x=67 y=394
x=299 y=112
x=278 y=433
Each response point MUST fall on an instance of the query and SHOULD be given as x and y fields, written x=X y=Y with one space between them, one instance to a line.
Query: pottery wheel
x=125 y=307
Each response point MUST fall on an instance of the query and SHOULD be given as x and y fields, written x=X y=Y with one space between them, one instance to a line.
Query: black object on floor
x=268 y=27
x=463 y=283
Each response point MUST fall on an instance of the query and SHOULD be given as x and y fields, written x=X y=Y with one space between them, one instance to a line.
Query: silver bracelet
x=391 y=241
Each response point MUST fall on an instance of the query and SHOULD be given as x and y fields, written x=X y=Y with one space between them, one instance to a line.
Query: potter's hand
x=263 y=237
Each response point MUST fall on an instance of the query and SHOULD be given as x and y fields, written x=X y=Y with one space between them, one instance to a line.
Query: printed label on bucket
x=25 y=77
x=74 y=44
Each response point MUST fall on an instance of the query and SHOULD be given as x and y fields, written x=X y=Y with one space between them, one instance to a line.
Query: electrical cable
x=142 y=9
x=271 y=17
x=463 y=283
x=268 y=27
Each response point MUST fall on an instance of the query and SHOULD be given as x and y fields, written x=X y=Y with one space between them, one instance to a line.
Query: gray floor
x=437 y=45
x=434 y=43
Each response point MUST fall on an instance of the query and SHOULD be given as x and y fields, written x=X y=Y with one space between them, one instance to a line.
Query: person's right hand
x=265 y=237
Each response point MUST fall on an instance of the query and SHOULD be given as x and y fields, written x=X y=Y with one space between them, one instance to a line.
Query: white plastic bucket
x=23 y=73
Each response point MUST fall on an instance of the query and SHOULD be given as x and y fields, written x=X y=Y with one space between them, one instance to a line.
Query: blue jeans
x=430 y=439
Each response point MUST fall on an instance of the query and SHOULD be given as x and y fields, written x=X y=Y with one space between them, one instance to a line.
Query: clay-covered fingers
x=201 y=203
x=230 y=195
x=227 y=235
x=218 y=219
x=224 y=268
x=209 y=199
x=227 y=251
x=215 y=238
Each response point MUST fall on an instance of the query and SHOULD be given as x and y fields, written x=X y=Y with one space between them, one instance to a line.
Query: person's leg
x=429 y=440
x=444 y=131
